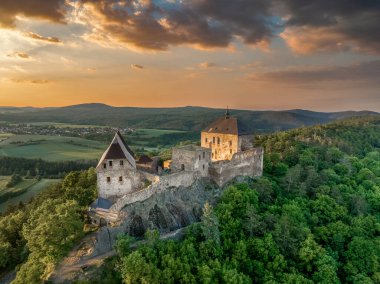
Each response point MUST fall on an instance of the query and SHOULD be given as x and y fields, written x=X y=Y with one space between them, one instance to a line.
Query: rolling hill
x=182 y=118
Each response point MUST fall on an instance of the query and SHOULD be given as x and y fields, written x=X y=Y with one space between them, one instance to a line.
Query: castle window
x=212 y=155
x=230 y=143
x=108 y=179
x=199 y=157
x=204 y=155
x=203 y=166
x=213 y=140
x=110 y=163
x=121 y=163
x=104 y=165
x=230 y=151
x=206 y=140
x=216 y=152
x=182 y=167
x=218 y=140
x=120 y=178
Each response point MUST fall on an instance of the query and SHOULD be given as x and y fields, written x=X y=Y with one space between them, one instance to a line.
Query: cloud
x=52 y=10
x=367 y=71
x=332 y=26
x=43 y=38
x=157 y=25
x=137 y=66
x=30 y=81
x=153 y=25
x=18 y=54
x=207 y=65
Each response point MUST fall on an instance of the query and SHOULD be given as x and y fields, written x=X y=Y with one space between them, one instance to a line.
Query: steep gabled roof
x=118 y=149
x=228 y=125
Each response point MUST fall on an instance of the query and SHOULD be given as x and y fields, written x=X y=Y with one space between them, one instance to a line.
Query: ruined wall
x=247 y=163
x=245 y=142
x=191 y=158
x=223 y=146
x=161 y=184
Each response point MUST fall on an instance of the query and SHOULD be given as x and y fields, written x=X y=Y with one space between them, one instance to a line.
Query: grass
x=155 y=132
x=51 y=148
x=32 y=187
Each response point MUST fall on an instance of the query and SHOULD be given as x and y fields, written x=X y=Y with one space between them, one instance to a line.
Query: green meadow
x=51 y=148
x=22 y=191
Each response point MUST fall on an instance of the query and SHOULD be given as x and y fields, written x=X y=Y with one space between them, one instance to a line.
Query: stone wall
x=245 y=142
x=184 y=179
x=247 y=163
x=191 y=158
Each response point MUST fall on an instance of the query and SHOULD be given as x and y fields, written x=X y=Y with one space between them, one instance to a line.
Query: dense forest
x=33 y=237
x=314 y=217
x=41 y=168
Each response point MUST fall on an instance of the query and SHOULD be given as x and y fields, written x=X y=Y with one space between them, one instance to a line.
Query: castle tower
x=116 y=170
x=225 y=137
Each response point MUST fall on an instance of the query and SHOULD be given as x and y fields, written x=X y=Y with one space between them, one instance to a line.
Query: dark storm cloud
x=206 y=23
x=46 y=9
x=362 y=72
x=341 y=24
x=309 y=26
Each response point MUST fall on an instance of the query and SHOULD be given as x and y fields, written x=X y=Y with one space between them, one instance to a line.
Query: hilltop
x=190 y=118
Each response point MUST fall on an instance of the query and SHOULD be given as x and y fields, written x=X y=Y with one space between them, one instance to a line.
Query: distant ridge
x=189 y=118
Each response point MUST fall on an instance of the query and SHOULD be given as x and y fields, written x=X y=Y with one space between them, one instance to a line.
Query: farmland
x=22 y=191
x=51 y=148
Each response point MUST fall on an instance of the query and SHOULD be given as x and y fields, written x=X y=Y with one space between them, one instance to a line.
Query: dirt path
x=80 y=259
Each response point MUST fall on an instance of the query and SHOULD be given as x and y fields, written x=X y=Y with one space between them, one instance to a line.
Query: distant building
x=225 y=137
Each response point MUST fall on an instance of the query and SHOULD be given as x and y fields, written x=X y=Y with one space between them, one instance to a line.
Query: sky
x=245 y=54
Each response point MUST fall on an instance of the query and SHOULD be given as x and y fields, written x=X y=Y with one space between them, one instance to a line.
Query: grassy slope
x=33 y=186
x=51 y=148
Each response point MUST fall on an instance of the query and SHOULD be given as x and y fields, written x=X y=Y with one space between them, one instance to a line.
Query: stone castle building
x=226 y=152
x=225 y=137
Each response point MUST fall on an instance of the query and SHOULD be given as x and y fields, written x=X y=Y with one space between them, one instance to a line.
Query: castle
x=226 y=152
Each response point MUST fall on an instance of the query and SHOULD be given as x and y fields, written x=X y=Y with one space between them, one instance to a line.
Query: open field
x=155 y=132
x=51 y=148
x=32 y=187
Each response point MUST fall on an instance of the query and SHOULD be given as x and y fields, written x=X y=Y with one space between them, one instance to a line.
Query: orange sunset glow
x=159 y=53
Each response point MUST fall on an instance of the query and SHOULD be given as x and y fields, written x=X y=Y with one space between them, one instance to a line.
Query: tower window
x=203 y=166
x=230 y=151
x=218 y=140
x=230 y=143
x=199 y=157
x=110 y=163
x=182 y=167
x=104 y=165
x=121 y=162
x=206 y=140
x=212 y=155
x=108 y=179
x=120 y=178
x=213 y=140
x=204 y=155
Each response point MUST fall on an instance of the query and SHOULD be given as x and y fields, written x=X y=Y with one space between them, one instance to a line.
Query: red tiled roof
x=227 y=125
